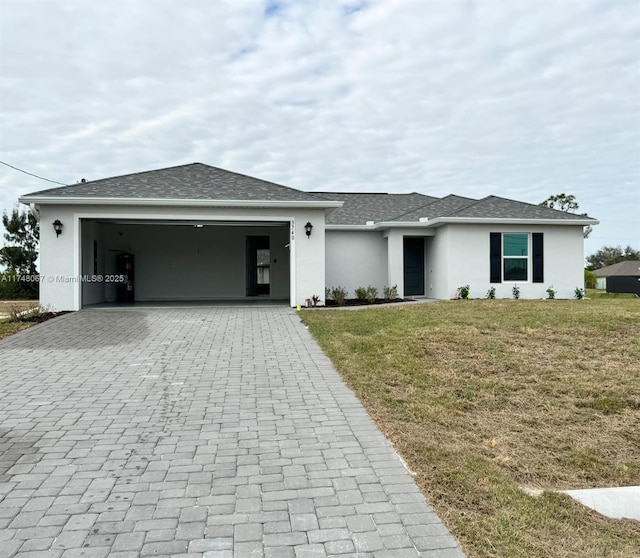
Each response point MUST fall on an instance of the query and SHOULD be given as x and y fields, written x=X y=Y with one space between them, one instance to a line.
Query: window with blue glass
x=515 y=257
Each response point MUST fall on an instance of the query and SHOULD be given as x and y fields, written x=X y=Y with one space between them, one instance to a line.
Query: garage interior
x=180 y=261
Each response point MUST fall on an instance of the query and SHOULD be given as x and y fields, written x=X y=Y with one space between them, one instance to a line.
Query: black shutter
x=538 y=257
x=495 y=257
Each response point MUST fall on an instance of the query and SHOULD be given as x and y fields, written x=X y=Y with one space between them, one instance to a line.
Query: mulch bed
x=39 y=318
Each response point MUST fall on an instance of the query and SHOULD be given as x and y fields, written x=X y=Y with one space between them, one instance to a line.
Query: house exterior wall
x=65 y=258
x=437 y=265
x=455 y=255
x=363 y=258
x=355 y=259
x=395 y=254
x=58 y=260
x=468 y=260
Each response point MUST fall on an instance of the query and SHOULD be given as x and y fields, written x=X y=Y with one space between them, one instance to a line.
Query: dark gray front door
x=413 y=266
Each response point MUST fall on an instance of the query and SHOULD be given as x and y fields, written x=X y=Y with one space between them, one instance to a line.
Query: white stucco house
x=196 y=232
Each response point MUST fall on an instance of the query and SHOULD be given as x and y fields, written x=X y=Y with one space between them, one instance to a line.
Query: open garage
x=129 y=261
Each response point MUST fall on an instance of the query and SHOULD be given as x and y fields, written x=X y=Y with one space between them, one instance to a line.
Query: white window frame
x=528 y=257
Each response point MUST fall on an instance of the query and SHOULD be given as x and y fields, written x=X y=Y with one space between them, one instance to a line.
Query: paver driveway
x=212 y=432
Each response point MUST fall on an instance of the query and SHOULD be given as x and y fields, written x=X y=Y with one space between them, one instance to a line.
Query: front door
x=413 y=266
x=258 y=266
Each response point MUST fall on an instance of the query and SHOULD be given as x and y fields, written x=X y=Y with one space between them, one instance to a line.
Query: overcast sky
x=521 y=99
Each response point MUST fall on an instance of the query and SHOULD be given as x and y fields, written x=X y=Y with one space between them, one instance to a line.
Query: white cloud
x=521 y=99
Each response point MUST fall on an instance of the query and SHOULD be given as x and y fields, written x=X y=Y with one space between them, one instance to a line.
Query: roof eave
x=439 y=221
x=509 y=221
x=349 y=227
x=61 y=200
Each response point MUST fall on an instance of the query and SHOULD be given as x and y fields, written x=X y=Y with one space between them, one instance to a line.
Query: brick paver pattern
x=212 y=431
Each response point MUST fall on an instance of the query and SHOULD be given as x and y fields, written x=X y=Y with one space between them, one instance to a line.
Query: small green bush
x=463 y=292
x=361 y=293
x=339 y=294
x=491 y=293
x=551 y=293
x=372 y=294
x=578 y=293
x=515 y=292
x=390 y=293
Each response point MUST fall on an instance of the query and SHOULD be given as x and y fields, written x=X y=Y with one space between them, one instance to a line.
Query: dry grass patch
x=9 y=311
x=8 y=307
x=483 y=397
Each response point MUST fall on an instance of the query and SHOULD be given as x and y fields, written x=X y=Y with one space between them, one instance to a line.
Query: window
x=512 y=255
x=515 y=257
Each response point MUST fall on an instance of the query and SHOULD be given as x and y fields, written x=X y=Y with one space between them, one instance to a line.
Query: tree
x=568 y=204
x=609 y=255
x=23 y=233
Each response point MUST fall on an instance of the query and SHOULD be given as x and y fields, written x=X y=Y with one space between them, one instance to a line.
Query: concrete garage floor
x=206 y=431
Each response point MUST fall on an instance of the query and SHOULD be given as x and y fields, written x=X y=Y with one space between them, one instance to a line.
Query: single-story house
x=622 y=277
x=196 y=232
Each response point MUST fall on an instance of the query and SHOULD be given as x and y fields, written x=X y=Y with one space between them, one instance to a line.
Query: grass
x=8 y=310
x=483 y=398
x=599 y=293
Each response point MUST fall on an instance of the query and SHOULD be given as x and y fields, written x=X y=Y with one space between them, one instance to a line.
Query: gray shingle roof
x=197 y=181
x=360 y=208
x=194 y=181
x=438 y=208
x=628 y=268
x=494 y=207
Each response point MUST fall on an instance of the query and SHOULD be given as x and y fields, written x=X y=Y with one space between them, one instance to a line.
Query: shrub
x=11 y=288
x=589 y=279
x=339 y=294
x=463 y=292
x=515 y=292
x=37 y=314
x=551 y=293
x=390 y=293
x=372 y=294
x=361 y=293
x=579 y=293
x=491 y=293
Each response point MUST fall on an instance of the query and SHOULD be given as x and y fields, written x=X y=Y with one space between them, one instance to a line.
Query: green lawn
x=9 y=328
x=485 y=397
x=598 y=293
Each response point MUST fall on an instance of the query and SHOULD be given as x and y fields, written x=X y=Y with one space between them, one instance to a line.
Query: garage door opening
x=184 y=261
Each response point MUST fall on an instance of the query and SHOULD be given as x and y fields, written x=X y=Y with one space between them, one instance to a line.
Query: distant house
x=196 y=232
x=623 y=277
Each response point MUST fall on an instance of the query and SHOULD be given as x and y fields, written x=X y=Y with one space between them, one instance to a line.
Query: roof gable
x=442 y=207
x=194 y=181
